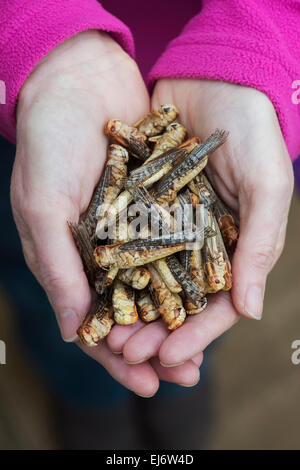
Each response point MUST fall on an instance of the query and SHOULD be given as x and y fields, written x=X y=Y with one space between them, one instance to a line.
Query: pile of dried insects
x=158 y=267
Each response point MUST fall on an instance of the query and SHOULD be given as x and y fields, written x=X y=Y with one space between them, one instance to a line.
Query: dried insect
x=124 y=307
x=85 y=249
x=137 y=278
x=227 y=224
x=161 y=219
x=113 y=180
x=97 y=324
x=200 y=189
x=110 y=276
x=167 y=276
x=146 y=308
x=186 y=170
x=184 y=278
x=214 y=263
x=172 y=314
x=118 y=205
x=196 y=269
x=222 y=249
x=117 y=256
x=156 y=121
x=142 y=251
x=168 y=240
x=149 y=173
x=226 y=221
x=153 y=170
x=175 y=134
x=129 y=137
x=183 y=202
x=194 y=309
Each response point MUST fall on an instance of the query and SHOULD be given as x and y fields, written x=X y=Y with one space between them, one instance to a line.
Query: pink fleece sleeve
x=29 y=29
x=253 y=43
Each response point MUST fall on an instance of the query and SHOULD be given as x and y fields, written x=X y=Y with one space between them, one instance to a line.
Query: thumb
x=262 y=234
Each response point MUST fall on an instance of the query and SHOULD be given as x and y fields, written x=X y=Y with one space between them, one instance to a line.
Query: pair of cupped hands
x=61 y=151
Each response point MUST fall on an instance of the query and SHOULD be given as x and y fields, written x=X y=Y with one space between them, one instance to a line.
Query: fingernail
x=171 y=365
x=254 y=302
x=188 y=386
x=72 y=339
x=133 y=363
x=117 y=352
x=68 y=322
x=145 y=396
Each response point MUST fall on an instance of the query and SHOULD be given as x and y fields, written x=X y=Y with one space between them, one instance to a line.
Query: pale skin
x=62 y=109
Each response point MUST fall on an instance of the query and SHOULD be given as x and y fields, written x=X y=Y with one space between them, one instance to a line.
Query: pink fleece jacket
x=251 y=42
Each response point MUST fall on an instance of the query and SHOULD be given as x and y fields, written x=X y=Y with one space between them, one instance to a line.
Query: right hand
x=61 y=150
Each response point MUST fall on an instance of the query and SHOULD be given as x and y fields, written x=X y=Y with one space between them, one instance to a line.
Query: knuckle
x=263 y=257
x=51 y=280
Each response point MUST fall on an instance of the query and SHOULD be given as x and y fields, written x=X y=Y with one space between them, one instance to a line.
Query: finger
x=262 y=232
x=145 y=343
x=199 y=331
x=140 y=379
x=60 y=271
x=187 y=374
x=120 y=334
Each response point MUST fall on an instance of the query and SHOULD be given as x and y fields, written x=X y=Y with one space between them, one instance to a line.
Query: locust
x=85 y=248
x=188 y=168
x=137 y=278
x=125 y=312
x=97 y=324
x=147 y=174
x=154 y=169
x=214 y=263
x=142 y=251
x=155 y=122
x=195 y=309
x=202 y=187
x=129 y=137
x=118 y=205
x=162 y=267
x=183 y=202
x=111 y=183
x=184 y=279
x=175 y=135
x=146 y=307
x=221 y=249
x=196 y=271
x=169 y=305
x=108 y=188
